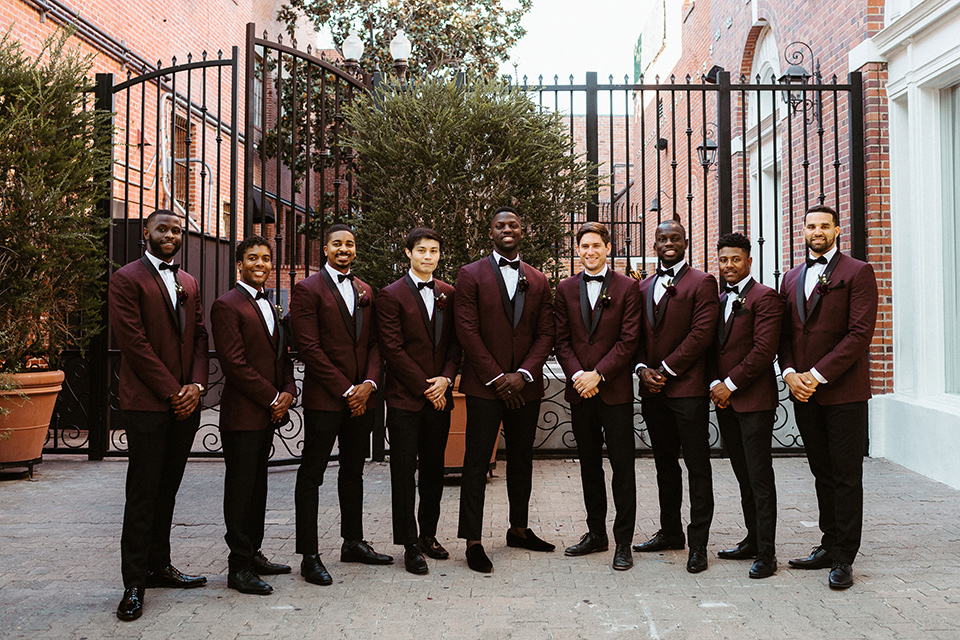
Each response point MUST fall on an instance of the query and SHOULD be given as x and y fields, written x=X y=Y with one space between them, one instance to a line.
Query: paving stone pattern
x=60 y=566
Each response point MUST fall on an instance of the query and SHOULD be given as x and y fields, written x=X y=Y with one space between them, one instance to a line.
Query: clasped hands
x=802 y=385
x=280 y=406
x=508 y=388
x=436 y=393
x=653 y=379
x=357 y=399
x=586 y=383
x=185 y=401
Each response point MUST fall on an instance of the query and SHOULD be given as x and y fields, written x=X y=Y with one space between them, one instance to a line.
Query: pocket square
x=839 y=285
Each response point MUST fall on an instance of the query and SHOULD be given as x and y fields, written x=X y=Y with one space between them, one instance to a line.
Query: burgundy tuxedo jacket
x=339 y=350
x=603 y=337
x=499 y=335
x=832 y=330
x=679 y=331
x=256 y=365
x=414 y=346
x=745 y=348
x=162 y=346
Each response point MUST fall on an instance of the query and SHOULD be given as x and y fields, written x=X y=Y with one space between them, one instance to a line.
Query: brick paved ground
x=60 y=576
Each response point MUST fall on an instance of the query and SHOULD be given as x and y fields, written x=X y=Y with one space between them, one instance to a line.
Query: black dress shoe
x=841 y=576
x=743 y=551
x=660 y=542
x=170 y=577
x=263 y=567
x=361 y=551
x=246 y=581
x=697 y=561
x=313 y=570
x=819 y=558
x=528 y=541
x=477 y=559
x=413 y=560
x=589 y=543
x=131 y=606
x=430 y=546
x=763 y=567
x=622 y=558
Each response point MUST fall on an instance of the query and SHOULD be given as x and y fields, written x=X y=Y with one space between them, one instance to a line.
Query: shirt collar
x=333 y=272
x=743 y=283
x=829 y=254
x=497 y=257
x=602 y=274
x=155 y=261
x=253 y=292
x=417 y=278
x=676 y=267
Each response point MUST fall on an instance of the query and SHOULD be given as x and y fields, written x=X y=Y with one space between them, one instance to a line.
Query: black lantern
x=708 y=153
x=796 y=75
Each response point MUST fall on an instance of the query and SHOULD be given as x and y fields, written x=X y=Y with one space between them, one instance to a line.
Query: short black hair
x=822 y=208
x=673 y=221
x=734 y=240
x=421 y=233
x=504 y=209
x=594 y=227
x=162 y=212
x=332 y=229
x=251 y=241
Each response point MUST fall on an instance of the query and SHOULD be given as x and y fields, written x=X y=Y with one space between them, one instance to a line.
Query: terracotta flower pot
x=456 y=441
x=24 y=429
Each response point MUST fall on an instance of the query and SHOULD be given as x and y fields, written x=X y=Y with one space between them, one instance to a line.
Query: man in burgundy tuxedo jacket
x=258 y=390
x=157 y=319
x=506 y=339
x=419 y=345
x=333 y=322
x=598 y=327
x=679 y=322
x=744 y=389
x=831 y=311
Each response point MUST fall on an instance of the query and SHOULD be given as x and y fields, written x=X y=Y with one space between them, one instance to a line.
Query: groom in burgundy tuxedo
x=506 y=342
x=744 y=390
x=680 y=319
x=598 y=327
x=157 y=319
x=258 y=391
x=419 y=345
x=831 y=311
x=333 y=322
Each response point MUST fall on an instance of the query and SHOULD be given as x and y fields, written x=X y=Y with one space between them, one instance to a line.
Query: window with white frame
x=950 y=102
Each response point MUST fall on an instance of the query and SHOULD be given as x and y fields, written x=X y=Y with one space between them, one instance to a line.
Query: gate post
x=593 y=150
x=99 y=413
x=724 y=156
x=858 y=186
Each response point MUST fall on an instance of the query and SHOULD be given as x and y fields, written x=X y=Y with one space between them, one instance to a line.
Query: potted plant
x=54 y=170
x=437 y=155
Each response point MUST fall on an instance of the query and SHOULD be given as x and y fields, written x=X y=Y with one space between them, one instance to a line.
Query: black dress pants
x=748 y=437
x=833 y=436
x=418 y=440
x=158 y=445
x=675 y=425
x=320 y=430
x=519 y=430
x=596 y=422
x=245 y=455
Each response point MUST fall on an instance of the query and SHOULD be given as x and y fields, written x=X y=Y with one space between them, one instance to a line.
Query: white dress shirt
x=263 y=304
x=510 y=275
x=426 y=293
x=594 y=287
x=727 y=310
x=810 y=280
x=169 y=279
x=345 y=288
x=659 y=289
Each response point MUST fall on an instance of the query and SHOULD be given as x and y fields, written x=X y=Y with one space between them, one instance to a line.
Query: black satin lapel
x=263 y=321
x=421 y=305
x=827 y=272
x=584 y=304
x=504 y=298
x=438 y=324
x=598 y=308
x=649 y=302
x=347 y=320
x=174 y=314
x=181 y=309
x=681 y=273
x=661 y=309
x=518 y=296
x=357 y=311
x=722 y=325
x=801 y=298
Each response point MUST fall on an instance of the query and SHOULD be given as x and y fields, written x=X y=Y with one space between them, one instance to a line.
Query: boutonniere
x=522 y=283
x=440 y=299
x=279 y=308
x=181 y=294
x=605 y=299
x=670 y=288
x=362 y=299
x=739 y=303
x=823 y=285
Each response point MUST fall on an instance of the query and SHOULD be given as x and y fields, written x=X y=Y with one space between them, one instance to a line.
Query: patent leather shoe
x=528 y=540
x=413 y=560
x=841 y=576
x=313 y=570
x=763 y=567
x=622 y=557
x=660 y=542
x=131 y=606
x=246 y=581
x=819 y=558
x=361 y=551
x=589 y=543
x=743 y=551
x=430 y=546
x=263 y=567
x=697 y=561
x=477 y=559
x=172 y=578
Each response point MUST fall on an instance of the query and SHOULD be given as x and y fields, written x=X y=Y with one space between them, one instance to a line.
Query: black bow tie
x=813 y=261
x=513 y=264
x=169 y=267
x=344 y=276
x=260 y=296
x=587 y=278
x=734 y=289
x=665 y=272
x=421 y=285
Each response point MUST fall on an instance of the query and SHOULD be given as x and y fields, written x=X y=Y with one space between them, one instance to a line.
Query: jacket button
x=806 y=331
x=722 y=352
x=591 y=342
x=656 y=335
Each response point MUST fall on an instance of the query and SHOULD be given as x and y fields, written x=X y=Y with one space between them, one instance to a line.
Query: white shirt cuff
x=576 y=375
x=714 y=383
x=495 y=379
x=526 y=375
x=668 y=369
x=275 y=399
x=349 y=391
x=787 y=372
x=639 y=366
x=816 y=374
x=730 y=384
